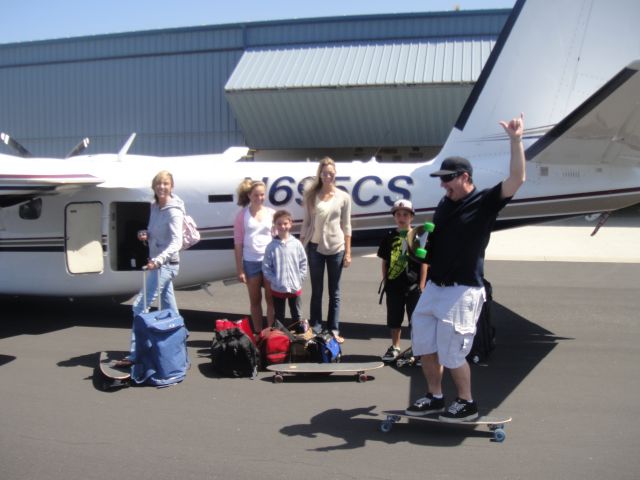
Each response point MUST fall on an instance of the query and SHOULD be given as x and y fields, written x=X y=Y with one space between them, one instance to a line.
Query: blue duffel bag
x=161 y=348
x=324 y=348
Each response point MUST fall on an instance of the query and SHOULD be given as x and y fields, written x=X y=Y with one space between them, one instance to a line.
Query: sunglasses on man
x=447 y=178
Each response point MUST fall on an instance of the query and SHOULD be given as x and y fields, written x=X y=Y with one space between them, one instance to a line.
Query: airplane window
x=31 y=210
x=220 y=198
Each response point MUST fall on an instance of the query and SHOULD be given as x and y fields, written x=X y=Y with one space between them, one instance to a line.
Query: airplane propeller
x=6 y=139
x=80 y=147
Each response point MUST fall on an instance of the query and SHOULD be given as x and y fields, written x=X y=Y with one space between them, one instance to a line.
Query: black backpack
x=484 y=341
x=234 y=354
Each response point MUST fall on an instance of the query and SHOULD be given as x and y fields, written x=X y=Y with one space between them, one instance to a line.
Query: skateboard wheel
x=386 y=426
x=499 y=435
x=277 y=378
x=421 y=252
x=429 y=227
x=362 y=377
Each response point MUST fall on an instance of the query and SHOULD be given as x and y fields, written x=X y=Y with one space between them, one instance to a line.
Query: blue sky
x=27 y=20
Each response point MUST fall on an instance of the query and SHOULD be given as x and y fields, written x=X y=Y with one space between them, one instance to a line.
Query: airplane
x=68 y=226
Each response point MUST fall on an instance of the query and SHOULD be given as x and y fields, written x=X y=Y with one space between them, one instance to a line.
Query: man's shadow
x=357 y=425
x=521 y=346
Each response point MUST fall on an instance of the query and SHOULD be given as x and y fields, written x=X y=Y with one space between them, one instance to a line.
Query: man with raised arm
x=444 y=321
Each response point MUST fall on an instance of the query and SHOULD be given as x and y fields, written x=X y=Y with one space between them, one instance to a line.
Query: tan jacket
x=337 y=226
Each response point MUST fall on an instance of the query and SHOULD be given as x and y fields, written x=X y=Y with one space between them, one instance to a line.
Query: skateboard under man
x=109 y=376
x=494 y=424
x=359 y=369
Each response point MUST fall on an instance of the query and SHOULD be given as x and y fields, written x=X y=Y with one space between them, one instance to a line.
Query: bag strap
x=381 y=290
x=144 y=290
x=277 y=325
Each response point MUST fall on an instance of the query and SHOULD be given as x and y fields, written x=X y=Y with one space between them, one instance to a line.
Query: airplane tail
x=549 y=58
x=604 y=130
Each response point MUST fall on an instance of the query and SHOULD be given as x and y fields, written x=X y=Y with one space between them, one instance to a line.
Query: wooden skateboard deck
x=358 y=369
x=494 y=424
x=111 y=376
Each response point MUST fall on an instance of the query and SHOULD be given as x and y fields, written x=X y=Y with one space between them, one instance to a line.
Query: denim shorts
x=251 y=269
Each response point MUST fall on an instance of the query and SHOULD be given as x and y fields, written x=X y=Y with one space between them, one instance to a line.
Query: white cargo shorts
x=444 y=321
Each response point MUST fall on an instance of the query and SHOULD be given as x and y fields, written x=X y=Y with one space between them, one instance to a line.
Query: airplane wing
x=22 y=179
x=605 y=129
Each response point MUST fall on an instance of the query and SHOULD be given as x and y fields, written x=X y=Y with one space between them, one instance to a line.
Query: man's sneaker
x=391 y=355
x=425 y=406
x=460 y=411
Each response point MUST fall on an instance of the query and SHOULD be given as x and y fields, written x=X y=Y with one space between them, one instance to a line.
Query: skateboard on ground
x=359 y=369
x=405 y=358
x=494 y=424
x=111 y=377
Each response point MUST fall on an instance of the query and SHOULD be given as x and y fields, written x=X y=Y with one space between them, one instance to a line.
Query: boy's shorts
x=397 y=304
x=444 y=322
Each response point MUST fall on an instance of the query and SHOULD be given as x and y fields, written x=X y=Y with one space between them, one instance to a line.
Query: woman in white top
x=252 y=232
x=326 y=233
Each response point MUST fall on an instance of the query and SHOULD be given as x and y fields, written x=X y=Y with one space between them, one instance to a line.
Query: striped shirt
x=285 y=265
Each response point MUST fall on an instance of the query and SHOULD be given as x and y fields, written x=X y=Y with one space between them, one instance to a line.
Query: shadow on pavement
x=521 y=346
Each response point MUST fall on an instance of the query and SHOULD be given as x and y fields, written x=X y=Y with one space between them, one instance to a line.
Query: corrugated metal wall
x=168 y=85
x=359 y=117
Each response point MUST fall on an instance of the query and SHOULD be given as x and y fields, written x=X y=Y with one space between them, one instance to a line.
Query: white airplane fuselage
x=34 y=253
x=68 y=227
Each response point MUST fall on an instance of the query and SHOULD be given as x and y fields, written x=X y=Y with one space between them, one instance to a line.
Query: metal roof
x=447 y=60
x=365 y=94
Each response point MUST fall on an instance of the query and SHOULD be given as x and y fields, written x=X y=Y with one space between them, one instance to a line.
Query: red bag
x=243 y=324
x=274 y=346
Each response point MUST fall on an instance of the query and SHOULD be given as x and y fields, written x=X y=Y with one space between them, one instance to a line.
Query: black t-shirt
x=462 y=230
x=402 y=272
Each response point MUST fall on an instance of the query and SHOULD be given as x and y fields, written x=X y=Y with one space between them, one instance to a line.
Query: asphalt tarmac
x=565 y=368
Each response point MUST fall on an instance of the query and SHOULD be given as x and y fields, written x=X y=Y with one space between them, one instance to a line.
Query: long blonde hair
x=314 y=186
x=245 y=188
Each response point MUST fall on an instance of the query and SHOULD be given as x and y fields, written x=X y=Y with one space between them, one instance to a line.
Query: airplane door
x=83 y=238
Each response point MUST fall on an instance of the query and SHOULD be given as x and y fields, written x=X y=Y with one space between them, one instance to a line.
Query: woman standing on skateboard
x=164 y=238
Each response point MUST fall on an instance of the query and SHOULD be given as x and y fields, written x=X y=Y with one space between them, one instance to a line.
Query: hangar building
x=355 y=85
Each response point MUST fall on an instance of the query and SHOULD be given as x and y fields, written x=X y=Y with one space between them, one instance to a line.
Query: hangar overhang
x=368 y=95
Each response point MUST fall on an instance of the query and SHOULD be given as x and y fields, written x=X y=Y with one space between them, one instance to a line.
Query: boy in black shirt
x=403 y=277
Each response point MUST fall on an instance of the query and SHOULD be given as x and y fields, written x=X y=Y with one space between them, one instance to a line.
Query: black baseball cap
x=452 y=165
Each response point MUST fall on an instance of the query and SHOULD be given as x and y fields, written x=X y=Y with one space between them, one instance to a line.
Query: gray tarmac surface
x=565 y=368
